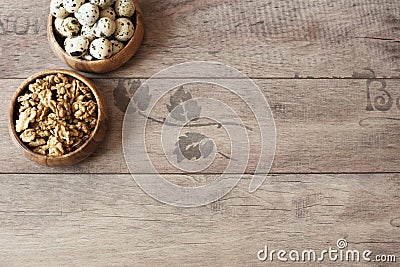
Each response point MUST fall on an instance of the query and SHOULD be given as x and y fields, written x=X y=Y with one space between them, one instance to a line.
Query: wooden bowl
x=98 y=66
x=81 y=152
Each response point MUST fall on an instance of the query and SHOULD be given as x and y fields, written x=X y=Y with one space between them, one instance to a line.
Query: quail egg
x=71 y=26
x=125 y=8
x=76 y=46
x=57 y=9
x=88 y=57
x=73 y=5
x=87 y=14
x=124 y=29
x=101 y=48
x=108 y=12
x=59 y=27
x=117 y=46
x=87 y=32
x=104 y=27
x=101 y=3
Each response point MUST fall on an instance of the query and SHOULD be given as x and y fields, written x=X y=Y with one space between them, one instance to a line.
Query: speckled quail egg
x=108 y=12
x=101 y=48
x=117 y=46
x=124 y=29
x=76 y=46
x=57 y=9
x=87 y=14
x=87 y=32
x=104 y=27
x=101 y=3
x=71 y=26
x=125 y=8
x=59 y=28
x=73 y=5
x=88 y=57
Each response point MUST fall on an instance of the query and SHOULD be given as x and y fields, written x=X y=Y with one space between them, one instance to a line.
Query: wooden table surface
x=336 y=173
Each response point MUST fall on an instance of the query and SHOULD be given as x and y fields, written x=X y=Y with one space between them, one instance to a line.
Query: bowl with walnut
x=57 y=118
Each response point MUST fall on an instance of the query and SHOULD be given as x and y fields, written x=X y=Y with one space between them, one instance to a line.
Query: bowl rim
x=139 y=24
x=23 y=86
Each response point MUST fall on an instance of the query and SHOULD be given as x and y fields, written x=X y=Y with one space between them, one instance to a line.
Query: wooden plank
x=322 y=126
x=107 y=220
x=289 y=39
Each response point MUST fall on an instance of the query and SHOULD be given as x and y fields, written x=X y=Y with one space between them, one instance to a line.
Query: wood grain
x=289 y=39
x=322 y=126
x=330 y=71
x=107 y=220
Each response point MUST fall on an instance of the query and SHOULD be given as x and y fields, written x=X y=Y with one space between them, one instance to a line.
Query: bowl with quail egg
x=95 y=36
x=57 y=118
